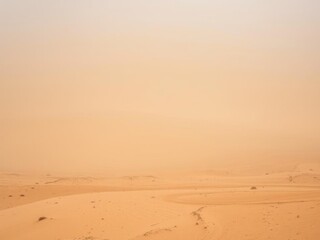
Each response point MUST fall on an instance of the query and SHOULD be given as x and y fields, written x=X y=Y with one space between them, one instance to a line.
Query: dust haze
x=159 y=119
x=122 y=87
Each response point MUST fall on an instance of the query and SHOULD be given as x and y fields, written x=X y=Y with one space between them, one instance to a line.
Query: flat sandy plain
x=204 y=206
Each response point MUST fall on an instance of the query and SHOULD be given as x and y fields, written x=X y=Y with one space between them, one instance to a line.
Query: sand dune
x=242 y=197
x=159 y=120
x=199 y=207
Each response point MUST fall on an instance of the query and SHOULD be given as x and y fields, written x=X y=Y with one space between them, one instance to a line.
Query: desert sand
x=199 y=205
x=159 y=120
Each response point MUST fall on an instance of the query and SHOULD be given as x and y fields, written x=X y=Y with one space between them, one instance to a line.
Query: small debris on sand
x=253 y=188
x=41 y=219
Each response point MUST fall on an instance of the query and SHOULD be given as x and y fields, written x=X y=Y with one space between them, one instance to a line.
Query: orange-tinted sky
x=135 y=85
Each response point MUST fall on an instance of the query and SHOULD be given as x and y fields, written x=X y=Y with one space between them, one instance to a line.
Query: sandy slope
x=200 y=206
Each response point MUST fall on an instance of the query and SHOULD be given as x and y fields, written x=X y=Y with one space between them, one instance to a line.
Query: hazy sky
x=136 y=85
